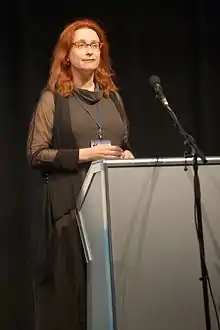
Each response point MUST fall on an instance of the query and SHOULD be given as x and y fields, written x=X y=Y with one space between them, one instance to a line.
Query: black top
x=60 y=126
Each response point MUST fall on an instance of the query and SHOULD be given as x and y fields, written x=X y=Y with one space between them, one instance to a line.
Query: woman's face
x=85 y=52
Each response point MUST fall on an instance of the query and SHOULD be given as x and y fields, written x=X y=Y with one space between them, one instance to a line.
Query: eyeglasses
x=83 y=45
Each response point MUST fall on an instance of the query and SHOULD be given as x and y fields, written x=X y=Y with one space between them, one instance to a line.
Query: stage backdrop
x=177 y=42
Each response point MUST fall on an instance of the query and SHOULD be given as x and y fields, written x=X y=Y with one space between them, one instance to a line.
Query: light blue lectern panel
x=93 y=217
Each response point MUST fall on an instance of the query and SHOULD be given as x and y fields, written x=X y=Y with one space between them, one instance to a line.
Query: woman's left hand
x=127 y=154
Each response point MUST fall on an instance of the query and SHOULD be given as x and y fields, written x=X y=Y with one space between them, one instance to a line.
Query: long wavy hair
x=61 y=78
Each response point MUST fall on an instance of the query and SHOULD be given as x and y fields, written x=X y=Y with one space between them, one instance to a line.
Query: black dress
x=60 y=291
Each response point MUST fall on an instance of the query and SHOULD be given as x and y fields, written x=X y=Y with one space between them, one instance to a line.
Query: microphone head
x=153 y=80
x=155 y=83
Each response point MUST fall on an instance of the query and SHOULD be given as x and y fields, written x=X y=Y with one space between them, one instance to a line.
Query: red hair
x=61 y=78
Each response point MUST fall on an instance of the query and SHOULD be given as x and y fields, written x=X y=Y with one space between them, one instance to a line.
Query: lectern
x=137 y=224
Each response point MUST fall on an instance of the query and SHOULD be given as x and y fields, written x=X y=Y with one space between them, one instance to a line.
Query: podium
x=137 y=224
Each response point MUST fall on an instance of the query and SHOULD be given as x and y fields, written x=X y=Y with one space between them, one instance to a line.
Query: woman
x=79 y=118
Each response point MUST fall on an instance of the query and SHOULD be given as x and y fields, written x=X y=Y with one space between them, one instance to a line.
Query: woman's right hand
x=102 y=151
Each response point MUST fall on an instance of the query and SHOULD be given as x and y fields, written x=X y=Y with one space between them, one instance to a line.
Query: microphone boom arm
x=188 y=139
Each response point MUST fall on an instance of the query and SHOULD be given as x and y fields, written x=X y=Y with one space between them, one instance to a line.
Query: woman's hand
x=102 y=151
x=127 y=154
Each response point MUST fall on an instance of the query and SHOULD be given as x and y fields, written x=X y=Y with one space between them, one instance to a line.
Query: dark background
x=176 y=40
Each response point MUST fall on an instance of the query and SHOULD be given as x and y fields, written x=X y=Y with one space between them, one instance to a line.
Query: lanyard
x=98 y=120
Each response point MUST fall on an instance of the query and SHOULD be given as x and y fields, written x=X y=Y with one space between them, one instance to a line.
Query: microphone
x=188 y=139
x=155 y=83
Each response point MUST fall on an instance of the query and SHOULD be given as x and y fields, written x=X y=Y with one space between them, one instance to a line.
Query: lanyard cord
x=98 y=120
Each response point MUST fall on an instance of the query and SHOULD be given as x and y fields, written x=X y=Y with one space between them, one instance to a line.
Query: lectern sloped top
x=103 y=165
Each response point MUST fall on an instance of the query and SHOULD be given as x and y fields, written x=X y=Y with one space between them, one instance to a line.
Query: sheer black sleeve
x=39 y=151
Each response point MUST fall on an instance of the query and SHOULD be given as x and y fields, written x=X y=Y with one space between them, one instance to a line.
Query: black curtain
x=176 y=40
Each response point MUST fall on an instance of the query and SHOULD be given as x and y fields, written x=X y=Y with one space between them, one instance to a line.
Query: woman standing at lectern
x=79 y=118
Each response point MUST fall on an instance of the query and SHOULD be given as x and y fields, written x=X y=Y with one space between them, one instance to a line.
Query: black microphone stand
x=191 y=150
